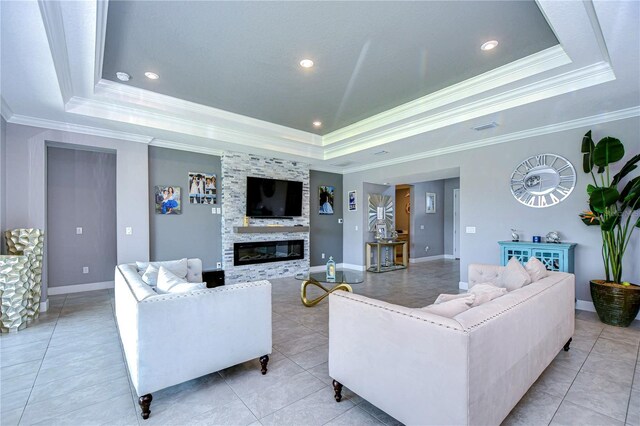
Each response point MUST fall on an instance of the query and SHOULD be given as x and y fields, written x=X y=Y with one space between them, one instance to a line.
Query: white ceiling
x=51 y=63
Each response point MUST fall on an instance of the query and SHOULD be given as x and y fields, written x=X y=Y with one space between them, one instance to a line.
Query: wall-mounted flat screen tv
x=273 y=198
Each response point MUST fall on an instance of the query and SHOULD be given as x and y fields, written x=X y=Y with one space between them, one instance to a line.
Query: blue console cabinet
x=556 y=257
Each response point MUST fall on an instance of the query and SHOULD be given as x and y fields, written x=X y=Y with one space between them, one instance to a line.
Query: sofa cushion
x=536 y=269
x=486 y=292
x=446 y=297
x=514 y=276
x=178 y=267
x=452 y=307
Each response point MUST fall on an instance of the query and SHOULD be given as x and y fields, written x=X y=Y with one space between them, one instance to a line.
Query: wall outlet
x=128 y=230
x=323 y=255
x=85 y=269
x=426 y=248
x=340 y=220
x=79 y=230
x=421 y=226
x=356 y=227
x=471 y=229
x=219 y=265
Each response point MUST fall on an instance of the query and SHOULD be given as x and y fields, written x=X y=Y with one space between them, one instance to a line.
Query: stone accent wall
x=235 y=169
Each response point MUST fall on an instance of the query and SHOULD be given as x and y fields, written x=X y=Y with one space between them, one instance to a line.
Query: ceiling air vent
x=344 y=164
x=485 y=126
x=381 y=152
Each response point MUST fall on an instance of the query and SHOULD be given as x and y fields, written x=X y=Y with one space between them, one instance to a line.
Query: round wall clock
x=543 y=180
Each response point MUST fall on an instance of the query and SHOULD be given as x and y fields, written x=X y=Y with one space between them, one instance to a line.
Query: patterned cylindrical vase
x=29 y=242
x=15 y=281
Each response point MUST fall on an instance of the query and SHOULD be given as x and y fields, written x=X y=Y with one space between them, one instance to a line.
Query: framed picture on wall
x=325 y=195
x=353 y=201
x=167 y=200
x=202 y=188
x=430 y=202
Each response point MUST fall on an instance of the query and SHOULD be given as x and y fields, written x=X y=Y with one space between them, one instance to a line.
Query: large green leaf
x=625 y=170
x=607 y=151
x=601 y=198
x=638 y=223
x=627 y=188
x=590 y=189
x=611 y=222
x=632 y=199
x=587 y=150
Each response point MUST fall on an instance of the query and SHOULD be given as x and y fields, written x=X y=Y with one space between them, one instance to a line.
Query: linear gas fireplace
x=267 y=251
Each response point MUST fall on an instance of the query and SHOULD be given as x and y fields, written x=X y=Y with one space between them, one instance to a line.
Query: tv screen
x=273 y=197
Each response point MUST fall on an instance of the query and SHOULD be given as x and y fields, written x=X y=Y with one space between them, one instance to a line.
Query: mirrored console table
x=386 y=256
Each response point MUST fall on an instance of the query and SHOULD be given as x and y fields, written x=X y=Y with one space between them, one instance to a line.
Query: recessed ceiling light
x=123 y=76
x=306 y=63
x=489 y=45
x=151 y=75
x=317 y=123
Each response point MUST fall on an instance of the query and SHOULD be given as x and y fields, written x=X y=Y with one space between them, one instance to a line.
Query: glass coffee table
x=344 y=279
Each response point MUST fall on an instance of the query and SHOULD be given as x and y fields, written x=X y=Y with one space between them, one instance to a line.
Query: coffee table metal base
x=309 y=303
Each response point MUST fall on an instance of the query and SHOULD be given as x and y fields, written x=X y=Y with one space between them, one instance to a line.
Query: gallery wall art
x=326 y=197
x=202 y=188
x=167 y=200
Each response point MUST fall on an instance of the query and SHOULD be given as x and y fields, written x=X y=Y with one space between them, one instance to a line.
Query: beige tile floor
x=68 y=368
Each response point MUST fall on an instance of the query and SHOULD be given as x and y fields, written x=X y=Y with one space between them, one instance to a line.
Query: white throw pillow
x=187 y=287
x=178 y=267
x=453 y=307
x=150 y=276
x=168 y=282
x=536 y=269
x=486 y=292
x=514 y=276
x=446 y=297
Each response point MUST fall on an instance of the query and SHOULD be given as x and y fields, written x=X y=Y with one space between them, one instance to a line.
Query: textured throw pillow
x=150 y=276
x=178 y=267
x=536 y=269
x=446 y=297
x=486 y=292
x=451 y=308
x=514 y=276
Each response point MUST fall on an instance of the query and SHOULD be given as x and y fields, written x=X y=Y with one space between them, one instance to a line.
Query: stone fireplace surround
x=235 y=169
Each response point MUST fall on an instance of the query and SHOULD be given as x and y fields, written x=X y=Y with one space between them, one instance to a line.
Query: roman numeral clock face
x=543 y=180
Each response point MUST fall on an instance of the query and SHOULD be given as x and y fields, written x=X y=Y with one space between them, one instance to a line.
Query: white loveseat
x=172 y=338
x=468 y=370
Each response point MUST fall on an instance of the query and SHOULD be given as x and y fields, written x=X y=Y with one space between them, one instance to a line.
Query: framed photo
x=202 y=188
x=325 y=195
x=167 y=200
x=353 y=201
x=430 y=202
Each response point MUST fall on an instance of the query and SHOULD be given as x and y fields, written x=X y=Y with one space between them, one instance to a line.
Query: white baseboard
x=449 y=256
x=66 y=289
x=44 y=306
x=463 y=285
x=321 y=268
x=427 y=258
x=585 y=305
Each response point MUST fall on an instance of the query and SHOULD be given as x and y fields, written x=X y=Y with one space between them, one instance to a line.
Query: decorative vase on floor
x=15 y=283
x=616 y=304
x=29 y=242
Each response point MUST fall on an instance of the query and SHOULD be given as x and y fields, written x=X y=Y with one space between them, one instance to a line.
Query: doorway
x=403 y=217
x=456 y=223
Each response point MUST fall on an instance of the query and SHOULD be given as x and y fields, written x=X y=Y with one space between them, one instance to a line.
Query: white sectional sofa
x=172 y=338
x=471 y=369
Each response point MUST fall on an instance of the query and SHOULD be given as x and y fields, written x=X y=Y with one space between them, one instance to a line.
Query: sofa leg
x=145 y=404
x=337 y=389
x=264 y=360
x=566 y=345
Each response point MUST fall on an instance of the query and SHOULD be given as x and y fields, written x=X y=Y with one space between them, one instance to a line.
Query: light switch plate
x=85 y=269
x=471 y=229
x=421 y=226
x=213 y=210
x=356 y=227
x=79 y=230
x=219 y=210
x=128 y=230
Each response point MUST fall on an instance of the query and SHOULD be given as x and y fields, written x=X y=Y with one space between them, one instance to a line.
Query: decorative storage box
x=556 y=257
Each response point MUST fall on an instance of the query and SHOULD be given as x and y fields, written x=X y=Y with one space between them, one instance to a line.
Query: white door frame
x=456 y=223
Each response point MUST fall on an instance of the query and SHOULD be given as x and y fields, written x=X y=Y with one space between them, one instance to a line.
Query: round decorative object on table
x=553 y=237
x=543 y=180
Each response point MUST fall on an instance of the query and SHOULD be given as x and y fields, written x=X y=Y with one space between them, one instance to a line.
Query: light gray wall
x=3 y=182
x=486 y=201
x=433 y=233
x=26 y=186
x=449 y=186
x=81 y=192
x=196 y=232
x=325 y=233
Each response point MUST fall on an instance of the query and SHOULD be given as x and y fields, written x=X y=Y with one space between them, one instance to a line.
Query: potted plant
x=615 y=211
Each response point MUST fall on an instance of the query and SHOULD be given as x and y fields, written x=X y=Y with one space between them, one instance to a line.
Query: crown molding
x=538 y=131
x=77 y=128
x=536 y=63
x=54 y=28
x=102 y=11
x=160 y=143
x=157 y=120
x=5 y=110
x=570 y=81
